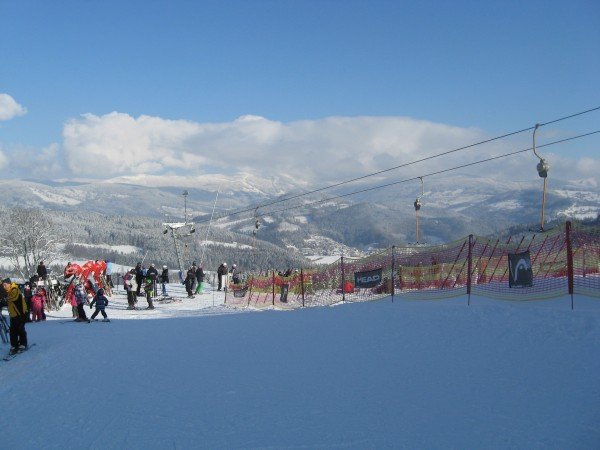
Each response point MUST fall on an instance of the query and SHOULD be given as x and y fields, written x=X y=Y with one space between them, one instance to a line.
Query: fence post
x=273 y=281
x=250 y=293
x=393 y=269
x=343 y=280
x=569 y=260
x=302 y=284
x=469 y=269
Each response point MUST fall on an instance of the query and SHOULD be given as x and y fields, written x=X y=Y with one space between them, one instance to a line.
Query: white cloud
x=313 y=149
x=3 y=160
x=31 y=162
x=9 y=108
x=153 y=150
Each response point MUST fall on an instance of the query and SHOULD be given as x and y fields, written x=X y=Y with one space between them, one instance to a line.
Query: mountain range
x=324 y=222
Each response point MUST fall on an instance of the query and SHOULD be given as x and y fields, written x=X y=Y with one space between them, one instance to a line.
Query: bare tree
x=28 y=236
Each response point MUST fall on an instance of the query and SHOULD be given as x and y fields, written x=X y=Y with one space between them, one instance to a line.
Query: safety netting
x=586 y=261
x=534 y=266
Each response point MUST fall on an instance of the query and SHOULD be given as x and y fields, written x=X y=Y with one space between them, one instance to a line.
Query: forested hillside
x=128 y=239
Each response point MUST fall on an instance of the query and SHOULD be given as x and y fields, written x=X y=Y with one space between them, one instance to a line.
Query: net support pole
x=302 y=285
x=273 y=281
x=343 y=280
x=469 y=268
x=393 y=269
x=569 y=261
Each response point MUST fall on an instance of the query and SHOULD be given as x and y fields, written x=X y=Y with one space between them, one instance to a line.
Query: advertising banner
x=367 y=279
x=520 y=272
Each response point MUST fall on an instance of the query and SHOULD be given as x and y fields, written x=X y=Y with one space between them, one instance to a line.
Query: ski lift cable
x=462 y=166
x=208 y=227
x=431 y=157
x=406 y=164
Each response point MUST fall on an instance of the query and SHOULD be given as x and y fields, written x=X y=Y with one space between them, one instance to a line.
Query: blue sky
x=459 y=71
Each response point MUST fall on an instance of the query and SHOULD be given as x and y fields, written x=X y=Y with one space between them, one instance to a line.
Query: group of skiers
x=19 y=310
x=139 y=277
x=28 y=306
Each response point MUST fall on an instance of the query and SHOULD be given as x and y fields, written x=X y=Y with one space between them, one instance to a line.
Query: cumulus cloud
x=29 y=162
x=9 y=108
x=312 y=149
x=170 y=152
x=3 y=160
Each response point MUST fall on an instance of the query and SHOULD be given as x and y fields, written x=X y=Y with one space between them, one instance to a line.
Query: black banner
x=520 y=272
x=367 y=279
x=239 y=293
x=284 y=292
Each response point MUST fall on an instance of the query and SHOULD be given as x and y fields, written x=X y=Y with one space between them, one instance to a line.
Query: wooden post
x=343 y=280
x=393 y=269
x=469 y=268
x=302 y=285
x=273 y=287
x=569 y=261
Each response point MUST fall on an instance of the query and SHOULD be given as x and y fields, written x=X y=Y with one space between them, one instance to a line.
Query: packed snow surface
x=402 y=374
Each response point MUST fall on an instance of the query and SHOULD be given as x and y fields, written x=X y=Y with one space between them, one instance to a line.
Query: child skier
x=37 y=304
x=101 y=302
x=81 y=299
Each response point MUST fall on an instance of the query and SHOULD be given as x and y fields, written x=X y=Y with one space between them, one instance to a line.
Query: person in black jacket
x=164 y=280
x=42 y=271
x=222 y=273
x=189 y=282
x=138 y=278
x=153 y=273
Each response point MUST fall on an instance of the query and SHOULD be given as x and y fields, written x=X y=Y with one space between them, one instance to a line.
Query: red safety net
x=562 y=261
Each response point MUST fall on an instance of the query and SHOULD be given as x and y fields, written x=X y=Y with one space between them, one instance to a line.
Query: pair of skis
x=14 y=355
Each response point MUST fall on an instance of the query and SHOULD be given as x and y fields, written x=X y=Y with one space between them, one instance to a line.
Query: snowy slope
x=372 y=375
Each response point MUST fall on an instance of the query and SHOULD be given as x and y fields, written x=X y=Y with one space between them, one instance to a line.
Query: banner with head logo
x=239 y=293
x=520 y=271
x=367 y=279
x=284 y=292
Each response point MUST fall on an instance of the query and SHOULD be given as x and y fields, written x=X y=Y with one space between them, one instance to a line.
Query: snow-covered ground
x=408 y=374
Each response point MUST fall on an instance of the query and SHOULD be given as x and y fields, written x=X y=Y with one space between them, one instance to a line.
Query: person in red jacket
x=38 y=300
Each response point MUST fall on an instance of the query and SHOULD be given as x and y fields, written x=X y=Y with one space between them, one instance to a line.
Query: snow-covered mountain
x=451 y=207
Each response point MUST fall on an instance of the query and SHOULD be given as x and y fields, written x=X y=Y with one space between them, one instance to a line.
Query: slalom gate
x=544 y=265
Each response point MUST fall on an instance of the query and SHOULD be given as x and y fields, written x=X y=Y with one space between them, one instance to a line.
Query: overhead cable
x=462 y=166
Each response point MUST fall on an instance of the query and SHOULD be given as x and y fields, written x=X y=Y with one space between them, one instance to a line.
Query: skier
x=108 y=273
x=164 y=280
x=38 y=300
x=138 y=278
x=200 y=280
x=189 y=282
x=153 y=273
x=17 y=309
x=101 y=302
x=222 y=275
x=128 y=284
x=235 y=275
x=194 y=283
x=81 y=299
x=149 y=290
x=28 y=294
